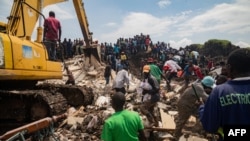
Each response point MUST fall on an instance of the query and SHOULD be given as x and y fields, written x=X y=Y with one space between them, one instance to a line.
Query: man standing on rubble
x=187 y=74
x=150 y=95
x=228 y=104
x=155 y=70
x=121 y=79
x=123 y=125
x=188 y=103
x=71 y=79
x=170 y=69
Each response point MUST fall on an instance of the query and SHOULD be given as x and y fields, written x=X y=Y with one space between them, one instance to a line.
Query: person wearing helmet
x=188 y=103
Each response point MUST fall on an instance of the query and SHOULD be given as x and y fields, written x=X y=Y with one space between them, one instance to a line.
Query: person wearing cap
x=121 y=79
x=228 y=105
x=155 y=70
x=147 y=107
x=188 y=103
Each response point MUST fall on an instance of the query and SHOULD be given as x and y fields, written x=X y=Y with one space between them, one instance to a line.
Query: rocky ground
x=85 y=123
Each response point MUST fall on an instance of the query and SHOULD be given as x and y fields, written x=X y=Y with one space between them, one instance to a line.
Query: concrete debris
x=167 y=120
x=102 y=101
x=74 y=120
x=85 y=123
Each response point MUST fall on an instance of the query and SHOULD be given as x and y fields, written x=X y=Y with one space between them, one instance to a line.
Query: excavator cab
x=3 y=27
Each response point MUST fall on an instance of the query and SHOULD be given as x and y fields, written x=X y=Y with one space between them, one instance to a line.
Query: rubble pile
x=85 y=123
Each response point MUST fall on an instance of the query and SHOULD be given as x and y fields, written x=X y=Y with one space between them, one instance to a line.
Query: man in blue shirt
x=229 y=104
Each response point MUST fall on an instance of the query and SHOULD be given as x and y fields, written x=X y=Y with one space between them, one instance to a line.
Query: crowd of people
x=219 y=102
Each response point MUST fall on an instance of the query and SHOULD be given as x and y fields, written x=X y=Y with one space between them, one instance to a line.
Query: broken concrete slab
x=172 y=113
x=167 y=120
x=170 y=95
x=74 y=120
x=92 y=73
x=162 y=105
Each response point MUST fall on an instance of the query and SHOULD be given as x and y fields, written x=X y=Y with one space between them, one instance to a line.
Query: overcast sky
x=178 y=22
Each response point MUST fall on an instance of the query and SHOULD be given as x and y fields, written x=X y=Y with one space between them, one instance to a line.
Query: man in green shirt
x=155 y=70
x=123 y=125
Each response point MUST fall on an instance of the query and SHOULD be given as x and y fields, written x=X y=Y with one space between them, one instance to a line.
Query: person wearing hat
x=155 y=70
x=188 y=103
x=147 y=108
x=228 y=105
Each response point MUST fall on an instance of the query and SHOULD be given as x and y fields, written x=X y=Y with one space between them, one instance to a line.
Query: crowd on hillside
x=160 y=51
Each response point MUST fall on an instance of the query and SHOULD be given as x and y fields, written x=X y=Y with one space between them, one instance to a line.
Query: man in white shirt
x=121 y=79
x=170 y=69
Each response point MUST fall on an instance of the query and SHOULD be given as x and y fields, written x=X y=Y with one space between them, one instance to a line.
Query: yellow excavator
x=24 y=62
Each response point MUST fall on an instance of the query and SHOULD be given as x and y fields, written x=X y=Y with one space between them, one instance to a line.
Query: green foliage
x=215 y=47
x=222 y=42
x=195 y=47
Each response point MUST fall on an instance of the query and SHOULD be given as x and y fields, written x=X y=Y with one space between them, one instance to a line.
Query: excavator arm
x=83 y=21
x=92 y=51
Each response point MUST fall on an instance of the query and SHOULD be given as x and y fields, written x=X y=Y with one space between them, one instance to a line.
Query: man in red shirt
x=52 y=34
x=197 y=71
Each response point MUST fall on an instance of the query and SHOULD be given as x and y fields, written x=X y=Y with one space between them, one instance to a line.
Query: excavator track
x=75 y=95
x=18 y=107
x=29 y=105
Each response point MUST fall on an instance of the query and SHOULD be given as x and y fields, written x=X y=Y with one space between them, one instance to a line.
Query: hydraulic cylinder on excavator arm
x=33 y=127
